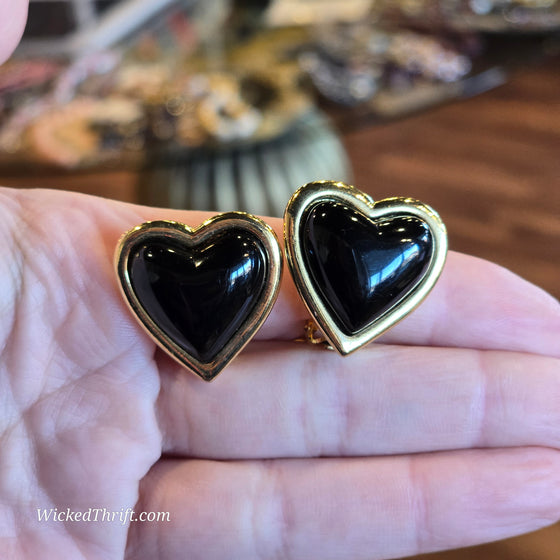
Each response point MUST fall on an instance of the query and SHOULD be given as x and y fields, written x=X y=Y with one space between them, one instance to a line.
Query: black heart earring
x=201 y=293
x=360 y=266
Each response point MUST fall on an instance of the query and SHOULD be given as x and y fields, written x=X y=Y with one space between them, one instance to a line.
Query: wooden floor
x=489 y=165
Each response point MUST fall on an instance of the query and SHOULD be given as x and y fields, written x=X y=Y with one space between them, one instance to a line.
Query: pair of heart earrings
x=360 y=266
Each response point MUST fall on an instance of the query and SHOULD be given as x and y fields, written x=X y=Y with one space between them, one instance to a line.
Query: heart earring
x=360 y=266
x=201 y=293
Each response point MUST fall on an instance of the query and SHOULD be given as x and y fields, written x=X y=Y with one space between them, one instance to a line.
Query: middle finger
x=307 y=402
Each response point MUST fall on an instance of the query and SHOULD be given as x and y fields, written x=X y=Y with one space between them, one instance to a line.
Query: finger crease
x=283 y=513
x=420 y=522
x=480 y=407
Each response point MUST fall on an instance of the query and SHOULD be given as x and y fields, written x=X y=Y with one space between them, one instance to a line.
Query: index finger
x=475 y=304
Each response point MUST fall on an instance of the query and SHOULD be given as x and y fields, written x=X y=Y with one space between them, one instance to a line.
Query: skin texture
x=13 y=15
x=442 y=434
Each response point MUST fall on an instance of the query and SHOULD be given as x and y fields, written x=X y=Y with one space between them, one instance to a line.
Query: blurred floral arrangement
x=118 y=107
x=113 y=107
x=352 y=64
x=478 y=15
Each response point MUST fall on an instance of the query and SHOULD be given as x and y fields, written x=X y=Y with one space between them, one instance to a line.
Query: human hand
x=444 y=433
x=13 y=15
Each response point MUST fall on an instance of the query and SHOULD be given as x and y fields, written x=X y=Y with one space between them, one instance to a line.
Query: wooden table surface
x=490 y=166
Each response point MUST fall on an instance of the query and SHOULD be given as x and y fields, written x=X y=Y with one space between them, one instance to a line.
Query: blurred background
x=233 y=104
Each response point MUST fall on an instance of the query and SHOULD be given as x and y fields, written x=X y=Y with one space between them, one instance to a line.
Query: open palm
x=443 y=434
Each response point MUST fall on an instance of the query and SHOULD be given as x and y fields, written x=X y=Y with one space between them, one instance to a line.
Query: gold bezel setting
x=199 y=236
x=321 y=191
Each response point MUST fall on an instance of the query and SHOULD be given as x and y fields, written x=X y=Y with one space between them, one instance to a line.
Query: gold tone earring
x=360 y=266
x=201 y=293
